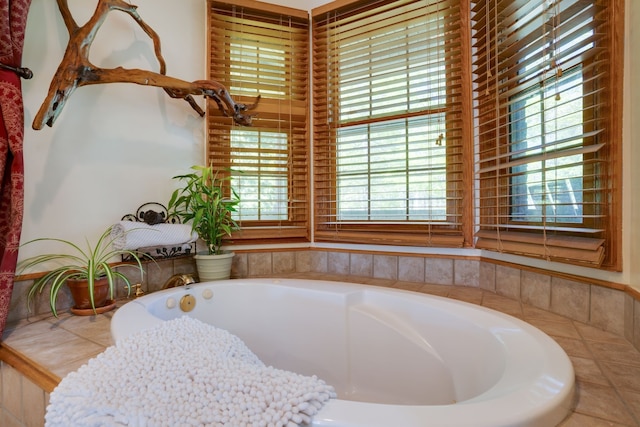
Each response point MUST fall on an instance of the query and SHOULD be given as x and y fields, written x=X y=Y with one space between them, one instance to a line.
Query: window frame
x=283 y=111
x=558 y=153
x=474 y=131
x=456 y=229
x=560 y=242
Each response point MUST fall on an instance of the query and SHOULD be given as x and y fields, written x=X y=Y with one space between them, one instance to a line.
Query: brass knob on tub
x=187 y=303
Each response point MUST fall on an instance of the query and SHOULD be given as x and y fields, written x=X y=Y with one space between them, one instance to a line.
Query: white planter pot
x=214 y=267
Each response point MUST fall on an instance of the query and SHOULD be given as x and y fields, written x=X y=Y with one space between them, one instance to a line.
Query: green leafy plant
x=91 y=265
x=203 y=202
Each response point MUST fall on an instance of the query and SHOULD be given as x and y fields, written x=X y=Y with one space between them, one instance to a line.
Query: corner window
x=545 y=127
x=547 y=141
x=262 y=51
x=388 y=123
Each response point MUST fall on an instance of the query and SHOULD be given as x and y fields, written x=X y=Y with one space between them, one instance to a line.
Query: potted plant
x=208 y=203
x=88 y=274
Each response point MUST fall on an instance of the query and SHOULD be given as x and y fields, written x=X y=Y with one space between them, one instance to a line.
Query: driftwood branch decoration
x=75 y=70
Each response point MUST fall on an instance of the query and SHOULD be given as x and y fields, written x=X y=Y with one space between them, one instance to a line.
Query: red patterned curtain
x=13 y=19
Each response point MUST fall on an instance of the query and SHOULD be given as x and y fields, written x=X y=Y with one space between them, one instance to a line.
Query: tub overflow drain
x=187 y=303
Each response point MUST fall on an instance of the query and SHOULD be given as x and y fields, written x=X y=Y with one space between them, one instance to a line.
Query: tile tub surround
x=613 y=308
x=607 y=366
x=156 y=274
x=22 y=402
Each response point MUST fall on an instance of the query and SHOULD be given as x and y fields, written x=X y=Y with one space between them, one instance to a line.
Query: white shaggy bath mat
x=183 y=373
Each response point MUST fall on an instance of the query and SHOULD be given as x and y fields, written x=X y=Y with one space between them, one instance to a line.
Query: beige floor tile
x=472 y=295
x=590 y=333
x=408 y=286
x=11 y=393
x=439 y=290
x=385 y=283
x=55 y=348
x=78 y=323
x=30 y=342
x=330 y=277
x=623 y=352
x=23 y=322
x=73 y=365
x=602 y=402
x=580 y=420
x=102 y=338
x=8 y=420
x=33 y=401
x=531 y=312
x=26 y=329
x=93 y=328
x=587 y=370
x=622 y=376
x=632 y=400
x=574 y=347
x=503 y=304
x=564 y=329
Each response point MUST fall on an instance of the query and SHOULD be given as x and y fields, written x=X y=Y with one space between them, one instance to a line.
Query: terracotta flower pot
x=80 y=294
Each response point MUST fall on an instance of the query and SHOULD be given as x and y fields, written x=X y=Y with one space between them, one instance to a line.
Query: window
x=388 y=131
x=493 y=124
x=263 y=51
x=546 y=129
x=263 y=183
x=382 y=173
x=548 y=120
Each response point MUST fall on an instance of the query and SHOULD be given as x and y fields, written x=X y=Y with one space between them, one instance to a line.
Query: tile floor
x=607 y=366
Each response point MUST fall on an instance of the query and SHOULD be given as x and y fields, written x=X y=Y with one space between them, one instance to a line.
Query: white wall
x=116 y=146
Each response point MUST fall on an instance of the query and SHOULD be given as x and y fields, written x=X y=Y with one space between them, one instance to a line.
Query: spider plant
x=91 y=264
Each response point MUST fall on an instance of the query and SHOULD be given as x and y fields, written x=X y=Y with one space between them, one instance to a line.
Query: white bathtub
x=395 y=358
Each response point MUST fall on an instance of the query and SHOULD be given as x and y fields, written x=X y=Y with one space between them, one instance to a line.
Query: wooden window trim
x=281 y=111
x=612 y=259
x=456 y=231
x=496 y=231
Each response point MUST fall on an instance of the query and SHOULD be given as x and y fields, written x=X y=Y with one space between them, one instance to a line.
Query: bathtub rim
x=532 y=410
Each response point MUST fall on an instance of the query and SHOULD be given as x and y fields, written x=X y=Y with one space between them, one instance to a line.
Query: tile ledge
x=40 y=375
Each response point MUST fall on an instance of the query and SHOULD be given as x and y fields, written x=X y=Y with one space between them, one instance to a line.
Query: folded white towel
x=131 y=235
x=183 y=372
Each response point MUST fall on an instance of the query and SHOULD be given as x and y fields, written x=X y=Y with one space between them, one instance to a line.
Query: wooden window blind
x=547 y=130
x=388 y=123
x=261 y=49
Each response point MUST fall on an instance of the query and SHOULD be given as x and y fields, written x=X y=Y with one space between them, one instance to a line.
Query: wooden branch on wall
x=75 y=70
